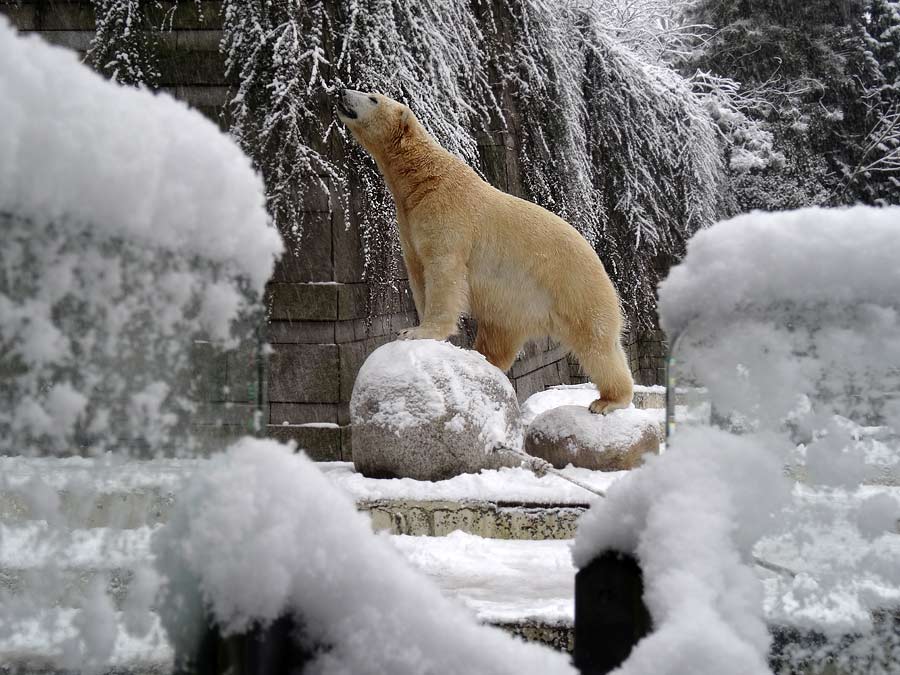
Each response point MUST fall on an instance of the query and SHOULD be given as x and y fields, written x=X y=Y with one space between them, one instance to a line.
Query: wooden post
x=610 y=615
x=271 y=650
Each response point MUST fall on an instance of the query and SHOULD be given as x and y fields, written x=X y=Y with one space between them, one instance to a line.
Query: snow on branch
x=880 y=149
x=123 y=47
x=621 y=148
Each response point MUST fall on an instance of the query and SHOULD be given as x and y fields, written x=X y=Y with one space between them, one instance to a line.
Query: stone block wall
x=647 y=356
x=324 y=318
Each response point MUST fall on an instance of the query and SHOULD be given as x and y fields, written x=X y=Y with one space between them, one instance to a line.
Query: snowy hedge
x=131 y=226
x=790 y=323
x=261 y=533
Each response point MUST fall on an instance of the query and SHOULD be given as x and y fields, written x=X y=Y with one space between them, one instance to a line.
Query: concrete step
x=492 y=520
x=507 y=504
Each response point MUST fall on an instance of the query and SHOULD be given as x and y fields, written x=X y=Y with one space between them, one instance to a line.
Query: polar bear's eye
x=374 y=100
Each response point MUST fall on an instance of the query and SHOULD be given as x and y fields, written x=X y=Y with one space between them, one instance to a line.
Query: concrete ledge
x=124 y=509
x=560 y=637
x=493 y=520
x=485 y=519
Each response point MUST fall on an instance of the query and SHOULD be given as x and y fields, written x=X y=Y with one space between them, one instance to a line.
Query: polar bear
x=521 y=271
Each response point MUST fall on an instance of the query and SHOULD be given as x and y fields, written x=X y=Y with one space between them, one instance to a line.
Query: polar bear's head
x=376 y=121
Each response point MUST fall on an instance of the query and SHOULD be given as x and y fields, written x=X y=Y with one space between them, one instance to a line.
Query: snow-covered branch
x=623 y=149
x=123 y=47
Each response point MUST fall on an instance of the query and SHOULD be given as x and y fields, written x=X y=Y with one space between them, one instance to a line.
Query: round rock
x=574 y=435
x=428 y=410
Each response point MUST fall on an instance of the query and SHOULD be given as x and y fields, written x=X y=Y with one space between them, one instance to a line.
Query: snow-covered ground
x=501 y=580
x=507 y=485
x=486 y=574
x=110 y=475
x=48 y=641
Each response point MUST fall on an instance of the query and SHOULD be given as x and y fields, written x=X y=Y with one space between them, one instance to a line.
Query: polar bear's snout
x=352 y=104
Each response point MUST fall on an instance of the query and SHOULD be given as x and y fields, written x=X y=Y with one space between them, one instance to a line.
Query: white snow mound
x=691 y=516
x=261 y=532
x=839 y=256
x=129 y=162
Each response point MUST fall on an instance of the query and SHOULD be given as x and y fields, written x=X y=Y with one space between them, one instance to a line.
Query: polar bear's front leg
x=416 y=273
x=446 y=294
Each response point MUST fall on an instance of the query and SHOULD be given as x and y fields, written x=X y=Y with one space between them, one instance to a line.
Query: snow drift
x=131 y=226
x=790 y=324
x=262 y=532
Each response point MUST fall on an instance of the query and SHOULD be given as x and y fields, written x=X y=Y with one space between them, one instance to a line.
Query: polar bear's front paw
x=421 y=333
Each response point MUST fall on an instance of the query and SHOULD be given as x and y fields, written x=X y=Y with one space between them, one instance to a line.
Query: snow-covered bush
x=791 y=324
x=261 y=532
x=131 y=227
x=781 y=342
x=692 y=517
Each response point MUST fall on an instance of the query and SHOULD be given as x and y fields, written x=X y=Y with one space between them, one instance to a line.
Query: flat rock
x=428 y=410
x=573 y=435
x=584 y=394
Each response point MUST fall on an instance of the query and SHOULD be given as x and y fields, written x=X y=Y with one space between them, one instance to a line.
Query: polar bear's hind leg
x=603 y=359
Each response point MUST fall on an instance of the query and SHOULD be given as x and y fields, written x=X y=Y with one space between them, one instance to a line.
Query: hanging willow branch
x=124 y=46
x=622 y=149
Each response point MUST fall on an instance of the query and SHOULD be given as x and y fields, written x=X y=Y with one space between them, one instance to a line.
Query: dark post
x=271 y=650
x=610 y=615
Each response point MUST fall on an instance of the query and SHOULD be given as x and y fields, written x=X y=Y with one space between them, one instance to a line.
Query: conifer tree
x=792 y=57
x=871 y=170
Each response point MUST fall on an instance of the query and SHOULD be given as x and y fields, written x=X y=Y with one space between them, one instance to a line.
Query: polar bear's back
x=523 y=250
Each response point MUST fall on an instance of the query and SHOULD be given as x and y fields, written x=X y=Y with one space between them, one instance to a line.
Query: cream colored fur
x=521 y=271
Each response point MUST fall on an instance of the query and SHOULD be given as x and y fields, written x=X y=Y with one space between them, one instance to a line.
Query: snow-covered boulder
x=427 y=410
x=584 y=394
x=571 y=434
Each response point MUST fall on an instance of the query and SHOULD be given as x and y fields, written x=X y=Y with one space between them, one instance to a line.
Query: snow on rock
x=692 y=516
x=555 y=397
x=574 y=435
x=648 y=397
x=429 y=410
x=262 y=532
x=132 y=226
